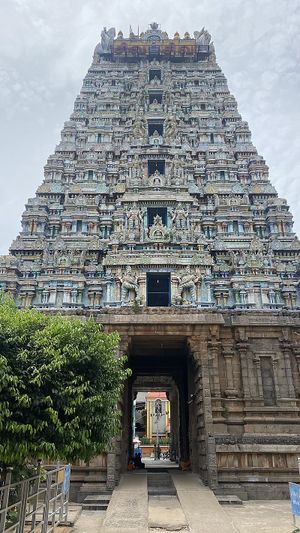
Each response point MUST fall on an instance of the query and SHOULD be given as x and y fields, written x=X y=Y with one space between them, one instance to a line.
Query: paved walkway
x=128 y=507
x=195 y=511
x=203 y=512
x=265 y=516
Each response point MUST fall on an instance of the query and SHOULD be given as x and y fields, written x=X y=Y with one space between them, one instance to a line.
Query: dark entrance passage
x=159 y=374
x=158 y=289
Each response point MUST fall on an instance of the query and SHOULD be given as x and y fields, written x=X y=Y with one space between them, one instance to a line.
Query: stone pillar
x=276 y=383
x=242 y=347
x=111 y=468
x=214 y=358
x=230 y=391
x=259 y=377
x=183 y=414
x=118 y=289
x=286 y=350
x=108 y=292
x=174 y=289
x=199 y=349
x=296 y=350
x=174 y=445
x=117 y=455
x=142 y=289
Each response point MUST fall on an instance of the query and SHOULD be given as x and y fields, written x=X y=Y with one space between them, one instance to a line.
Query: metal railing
x=37 y=504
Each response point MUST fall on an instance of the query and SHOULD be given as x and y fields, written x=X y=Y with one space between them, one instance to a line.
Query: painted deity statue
x=187 y=285
x=129 y=286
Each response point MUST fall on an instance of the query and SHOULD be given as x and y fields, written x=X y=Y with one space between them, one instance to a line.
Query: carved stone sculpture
x=129 y=287
x=202 y=37
x=187 y=286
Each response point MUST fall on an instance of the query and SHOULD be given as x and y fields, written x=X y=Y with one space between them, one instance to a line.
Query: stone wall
x=244 y=415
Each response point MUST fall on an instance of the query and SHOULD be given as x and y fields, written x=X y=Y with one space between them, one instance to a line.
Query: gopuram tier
x=155 y=173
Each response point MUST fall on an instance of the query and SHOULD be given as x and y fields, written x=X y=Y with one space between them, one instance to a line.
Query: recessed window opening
x=155 y=98
x=158 y=289
x=157 y=165
x=212 y=139
x=202 y=107
x=152 y=212
x=154 y=74
x=156 y=128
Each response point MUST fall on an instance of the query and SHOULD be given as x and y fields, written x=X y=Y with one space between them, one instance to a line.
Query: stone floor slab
x=203 y=512
x=265 y=516
x=165 y=512
x=128 y=507
x=89 y=522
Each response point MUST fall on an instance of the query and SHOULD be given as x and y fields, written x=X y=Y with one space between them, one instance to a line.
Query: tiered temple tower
x=155 y=197
x=155 y=175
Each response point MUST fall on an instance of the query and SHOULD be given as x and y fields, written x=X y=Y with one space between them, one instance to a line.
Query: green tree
x=60 y=382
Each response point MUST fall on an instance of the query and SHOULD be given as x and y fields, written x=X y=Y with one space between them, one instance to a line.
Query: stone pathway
x=165 y=513
x=266 y=516
x=128 y=507
x=89 y=522
x=196 y=510
x=203 y=512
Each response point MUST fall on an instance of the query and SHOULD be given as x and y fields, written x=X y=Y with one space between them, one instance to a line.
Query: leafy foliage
x=60 y=383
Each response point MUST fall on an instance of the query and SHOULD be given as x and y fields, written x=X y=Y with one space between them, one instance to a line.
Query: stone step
x=94 y=507
x=162 y=491
x=94 y=491
x=97 y=498
x=94 y=487
x=96 y=502
x=232 y=489
x=95 y=478
x=160 y=484
x=229 y=499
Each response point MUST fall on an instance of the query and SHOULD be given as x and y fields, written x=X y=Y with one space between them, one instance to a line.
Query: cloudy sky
x=46 y=47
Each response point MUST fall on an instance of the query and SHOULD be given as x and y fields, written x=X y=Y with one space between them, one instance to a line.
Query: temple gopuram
x=156 y=216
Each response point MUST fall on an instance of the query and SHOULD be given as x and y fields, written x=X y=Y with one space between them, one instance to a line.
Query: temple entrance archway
x=173 y=353
x=160 y=364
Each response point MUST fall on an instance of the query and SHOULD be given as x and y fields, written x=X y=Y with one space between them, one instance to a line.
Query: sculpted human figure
x=134 y=218
x=129 y=284
x=107 y=37
x=139 y=128
x=175 y=168
x=202 y=37
x=179 y=218
x=136 y=167
x=187 y=283
x=170 y=127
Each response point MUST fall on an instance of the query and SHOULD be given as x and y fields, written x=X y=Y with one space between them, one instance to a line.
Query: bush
x=60 y=383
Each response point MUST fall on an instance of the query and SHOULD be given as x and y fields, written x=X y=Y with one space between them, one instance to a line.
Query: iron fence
x=37 y=504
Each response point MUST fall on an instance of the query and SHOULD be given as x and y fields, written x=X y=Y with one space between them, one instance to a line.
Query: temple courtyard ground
x=255 y=516
x=194 y=510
